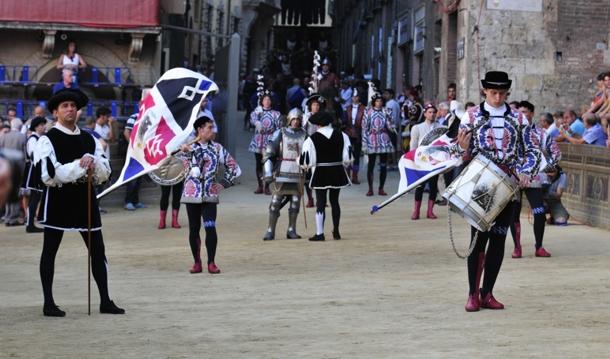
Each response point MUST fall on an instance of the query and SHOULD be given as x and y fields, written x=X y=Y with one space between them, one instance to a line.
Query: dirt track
x=391 y=288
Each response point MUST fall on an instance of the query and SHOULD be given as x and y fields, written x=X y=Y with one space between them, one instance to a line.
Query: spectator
x=103 y=123
x=71 y=61
x=132 y=188
x=90 y=128
x=451 y=92
x=552 y=196
x=66 y=82
x=594 y=133
x=295 y=94
x=571 y=126
x=16 y=141
x=346 y=95
x=393 y=106
x=443 y=111
x=547 y=122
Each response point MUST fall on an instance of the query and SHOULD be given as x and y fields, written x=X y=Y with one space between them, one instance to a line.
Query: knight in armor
x=265 y=121
x=534 y=192
x=283 y=149
x=352 y=126
x=31 y=177
x=65 y=155
x=417 y=134
x=376 y=141
x=503 y=136
x=327 y=153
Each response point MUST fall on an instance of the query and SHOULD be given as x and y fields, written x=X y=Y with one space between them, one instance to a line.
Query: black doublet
x=329 y=151
x=65 y=207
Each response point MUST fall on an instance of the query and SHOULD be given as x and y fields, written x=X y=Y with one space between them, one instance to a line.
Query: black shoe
x=317 y=238
x=14 y=224
x=268 y=237
x=111 y=308
x=33 y=229
x=336 y=234
x=292 y=235
x=51 y=310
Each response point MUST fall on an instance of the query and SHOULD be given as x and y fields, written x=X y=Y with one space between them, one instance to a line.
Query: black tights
x=491 y=261
x=258 y=158
x=333 y=197
x=33 y=206
x=176 y=191
x=195 y=212
x=51 y=242
x=383 y=168
x=432 y=187
x=534 y=197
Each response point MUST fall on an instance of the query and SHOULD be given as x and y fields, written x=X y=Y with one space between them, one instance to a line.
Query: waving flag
x=431 y=158
x=164 y=122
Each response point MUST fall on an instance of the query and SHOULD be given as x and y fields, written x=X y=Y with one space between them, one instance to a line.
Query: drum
x=481 y=192
x=173 y=171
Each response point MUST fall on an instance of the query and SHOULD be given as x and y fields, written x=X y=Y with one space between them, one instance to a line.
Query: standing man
x=353 y=128
x=503 y=136
x=283 y=149
x=376 y=141
x=328 y=153
x=534 y=192
x=64 y=155
x=30 y=182
x=14 y=140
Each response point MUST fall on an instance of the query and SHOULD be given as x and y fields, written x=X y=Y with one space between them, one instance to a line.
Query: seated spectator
x=548 y=123
x=66 y=82
x=593 y=133
x=558 y=181
x=39 y=111
x=71 y=61
x=571 y=127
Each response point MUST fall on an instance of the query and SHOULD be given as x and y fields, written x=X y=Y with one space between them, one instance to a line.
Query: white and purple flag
x=164 y=122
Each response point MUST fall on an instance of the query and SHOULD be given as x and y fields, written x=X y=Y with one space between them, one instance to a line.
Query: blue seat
x=117 y=76
x=2 y=74
x=25 y=74
x=95 y=76
x=19 y=108
x=90 y=109
x=113 y=109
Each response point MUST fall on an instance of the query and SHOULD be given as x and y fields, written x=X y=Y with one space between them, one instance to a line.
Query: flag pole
x=89 y=205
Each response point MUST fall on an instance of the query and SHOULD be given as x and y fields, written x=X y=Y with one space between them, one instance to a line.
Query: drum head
x=172 y=172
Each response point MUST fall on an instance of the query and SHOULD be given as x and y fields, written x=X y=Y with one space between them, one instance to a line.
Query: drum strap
x=472 y=244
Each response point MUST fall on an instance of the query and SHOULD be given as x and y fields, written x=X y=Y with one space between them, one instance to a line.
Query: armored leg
x=274 y=214
x=293 y=213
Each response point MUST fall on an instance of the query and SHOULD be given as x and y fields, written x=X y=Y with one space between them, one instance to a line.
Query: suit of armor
x=284 y=148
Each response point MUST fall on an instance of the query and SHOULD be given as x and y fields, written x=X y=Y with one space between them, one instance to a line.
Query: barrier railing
x=119 y=109
x=16 y=73
x=91 y=75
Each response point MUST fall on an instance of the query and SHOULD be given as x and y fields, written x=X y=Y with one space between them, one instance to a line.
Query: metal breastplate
x=291 y=146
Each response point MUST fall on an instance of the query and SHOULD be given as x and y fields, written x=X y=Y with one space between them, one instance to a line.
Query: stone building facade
x=553 y=49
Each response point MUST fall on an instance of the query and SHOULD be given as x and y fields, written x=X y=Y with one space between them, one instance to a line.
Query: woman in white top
x=418 y=132
x=71 y=60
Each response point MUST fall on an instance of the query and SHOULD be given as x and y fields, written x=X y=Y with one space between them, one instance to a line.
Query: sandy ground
x=392 y=288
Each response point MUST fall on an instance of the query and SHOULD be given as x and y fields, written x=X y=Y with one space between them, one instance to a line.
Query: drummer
x=492 y=129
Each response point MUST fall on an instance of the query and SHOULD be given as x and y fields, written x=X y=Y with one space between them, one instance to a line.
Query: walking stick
x=89 y=205
x=301 y=190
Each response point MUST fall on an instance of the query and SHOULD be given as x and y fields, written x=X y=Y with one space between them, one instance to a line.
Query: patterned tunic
x=504 y=136
x=206 y=159
x=375 y=132
x=266 y=122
